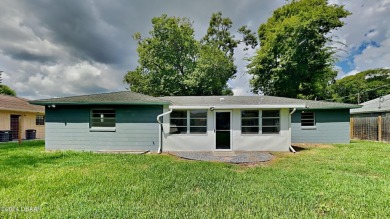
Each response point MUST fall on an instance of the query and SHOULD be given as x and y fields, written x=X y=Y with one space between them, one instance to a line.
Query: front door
x=223 y=130
x=14 y=126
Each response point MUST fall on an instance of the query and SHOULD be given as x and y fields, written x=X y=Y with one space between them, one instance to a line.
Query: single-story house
x=131 y=121
x=18 y=115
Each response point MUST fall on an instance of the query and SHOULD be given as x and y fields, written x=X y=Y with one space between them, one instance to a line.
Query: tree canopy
x=364 y=86
x=4 y=89
x=296 y=58
x=172 y=62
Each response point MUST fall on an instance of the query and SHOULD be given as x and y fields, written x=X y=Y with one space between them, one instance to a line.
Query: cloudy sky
x=60 y=48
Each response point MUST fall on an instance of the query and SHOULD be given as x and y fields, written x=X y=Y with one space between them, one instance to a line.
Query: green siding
x=67 y=128
x=332 y=126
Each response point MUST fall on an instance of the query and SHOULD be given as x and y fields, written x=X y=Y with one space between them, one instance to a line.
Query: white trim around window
x=260 y=122
x=308 y=120
x=102 y=120
x=193 y=122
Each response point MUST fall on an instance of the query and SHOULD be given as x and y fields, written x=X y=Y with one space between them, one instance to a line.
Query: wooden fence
x=375 y=128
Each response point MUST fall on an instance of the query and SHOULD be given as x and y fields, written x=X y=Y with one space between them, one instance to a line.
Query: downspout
x=291 y=148
x=160 y=129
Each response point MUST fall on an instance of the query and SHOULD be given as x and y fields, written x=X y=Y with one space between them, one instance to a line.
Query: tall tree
x=363 y=86
x=296 y=58
x=166 y=58
x=172 y=62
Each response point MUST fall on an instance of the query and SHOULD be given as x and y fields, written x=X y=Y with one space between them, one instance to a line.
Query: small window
x=270 y=122
x=103 y=118
x=178 y=122
x=40 y=120
x=307 y=119
x=250 y=122
x=198 y=121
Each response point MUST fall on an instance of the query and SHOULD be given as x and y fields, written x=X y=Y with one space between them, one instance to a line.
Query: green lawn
x=344 y=181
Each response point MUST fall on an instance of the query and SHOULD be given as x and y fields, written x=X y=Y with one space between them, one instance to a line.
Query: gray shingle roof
x=375 y=105
x=114 y=98
x=128 y=98
x=252 y=100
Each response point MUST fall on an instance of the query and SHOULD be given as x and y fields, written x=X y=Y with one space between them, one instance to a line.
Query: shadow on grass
x=298 y=149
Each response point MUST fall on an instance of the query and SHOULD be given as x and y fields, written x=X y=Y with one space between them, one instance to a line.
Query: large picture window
x=270 y=121
x=250 y=122
x=188 y=122
x=102 y=118
x=308 y=119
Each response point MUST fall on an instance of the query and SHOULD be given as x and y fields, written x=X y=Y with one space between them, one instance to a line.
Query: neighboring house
x=18 y=114
x=129 y=121
x=372 y=121
x=375 y=107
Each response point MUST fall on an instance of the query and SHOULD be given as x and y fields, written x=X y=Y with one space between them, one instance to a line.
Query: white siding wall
x=240 y=142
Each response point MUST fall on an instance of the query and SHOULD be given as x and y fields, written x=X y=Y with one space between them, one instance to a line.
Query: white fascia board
x=239 y=107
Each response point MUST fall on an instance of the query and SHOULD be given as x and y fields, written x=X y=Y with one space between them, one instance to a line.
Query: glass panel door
x=222 y=130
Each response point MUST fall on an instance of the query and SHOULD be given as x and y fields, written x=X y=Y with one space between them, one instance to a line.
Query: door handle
x=214 y=130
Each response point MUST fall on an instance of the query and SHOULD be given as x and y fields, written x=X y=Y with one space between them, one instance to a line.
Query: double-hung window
x=250 y=122
x=102 y=120
x=270 y=121
x=188 y=122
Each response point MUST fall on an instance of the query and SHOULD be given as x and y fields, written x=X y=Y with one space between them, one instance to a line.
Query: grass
x=344 y=181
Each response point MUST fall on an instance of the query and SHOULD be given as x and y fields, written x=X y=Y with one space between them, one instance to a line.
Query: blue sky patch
x=347 y=64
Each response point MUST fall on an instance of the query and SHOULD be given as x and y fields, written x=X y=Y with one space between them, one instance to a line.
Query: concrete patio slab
x=229 y=157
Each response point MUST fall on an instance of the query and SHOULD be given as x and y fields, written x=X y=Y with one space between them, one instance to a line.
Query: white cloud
x=374 y=57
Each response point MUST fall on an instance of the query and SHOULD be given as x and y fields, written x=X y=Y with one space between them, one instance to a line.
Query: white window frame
x=258 y=122
x=314 y=121
x=188 y=126
x=261 y=122
x=262 y=126
x=101 y=129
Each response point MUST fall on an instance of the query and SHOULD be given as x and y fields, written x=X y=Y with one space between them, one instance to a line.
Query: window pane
x=307 y=119
x=178 y=122
x=198 y=122
x=270 y=113
x=250 y=122
x=198 y=114
x=270 y=130
x=178 y=130
x=198 y=130
x=40 y=120
x=307 y=123
x=179 y=114
x=250 y=113
x=103 y=118
x=250 y=130
x=270 y=122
